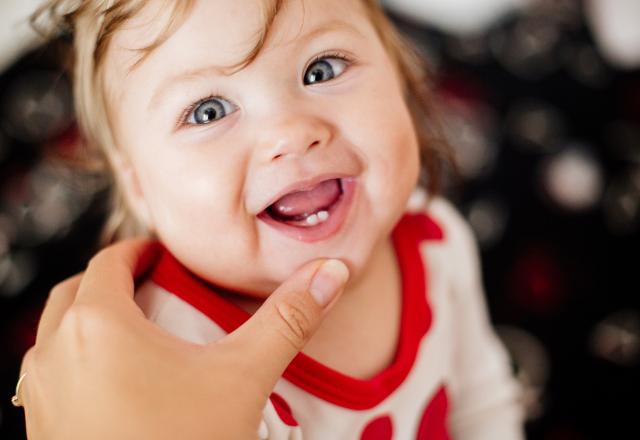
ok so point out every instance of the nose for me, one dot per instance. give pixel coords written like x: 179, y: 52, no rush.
x: 293, y: 135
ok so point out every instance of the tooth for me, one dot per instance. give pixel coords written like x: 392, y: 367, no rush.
x: 312, y: 219
x: 322, y: 215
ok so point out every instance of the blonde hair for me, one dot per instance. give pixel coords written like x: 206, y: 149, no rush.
x: 92, y: 24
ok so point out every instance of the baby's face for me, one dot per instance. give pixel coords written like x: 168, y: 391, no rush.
x: 299, y: 155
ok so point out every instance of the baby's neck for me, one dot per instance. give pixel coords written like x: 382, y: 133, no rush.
x: 360, y: 334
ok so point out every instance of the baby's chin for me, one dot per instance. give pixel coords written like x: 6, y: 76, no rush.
x: 277, y: 272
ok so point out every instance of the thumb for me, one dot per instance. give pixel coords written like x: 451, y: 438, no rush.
x: 277, y: 332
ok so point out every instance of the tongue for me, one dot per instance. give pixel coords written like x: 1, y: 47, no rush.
x: 307, y: 202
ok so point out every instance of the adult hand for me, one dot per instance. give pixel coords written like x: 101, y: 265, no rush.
x: 100, y: 369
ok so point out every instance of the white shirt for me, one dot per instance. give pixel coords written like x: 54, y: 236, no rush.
x: 450, y: 378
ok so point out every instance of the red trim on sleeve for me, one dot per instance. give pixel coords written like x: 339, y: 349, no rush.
x: 305, y: 372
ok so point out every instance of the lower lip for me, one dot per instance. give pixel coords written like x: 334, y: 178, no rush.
x: 337, y: 215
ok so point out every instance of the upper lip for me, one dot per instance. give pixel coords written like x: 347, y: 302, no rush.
x: 301, y: 185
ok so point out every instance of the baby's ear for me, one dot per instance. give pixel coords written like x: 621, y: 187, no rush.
x: 129, y: 184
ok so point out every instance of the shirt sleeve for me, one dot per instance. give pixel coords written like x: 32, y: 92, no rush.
x: 485, y: 397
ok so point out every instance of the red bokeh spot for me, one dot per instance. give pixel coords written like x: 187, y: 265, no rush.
x: 379, y: 428
x: 69, y: 143
x: 538, y: 282
x: 464, y: 89
x: 564, y: 433
x: 22, y: 331
x: 433, y: 425
x: 283, y: 409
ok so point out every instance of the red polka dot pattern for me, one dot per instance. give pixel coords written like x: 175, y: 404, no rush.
x: 433, y: 425
x: 379, y: 428
x: 283, y: 409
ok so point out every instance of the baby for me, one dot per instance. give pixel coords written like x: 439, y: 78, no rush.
x: 252, y: 136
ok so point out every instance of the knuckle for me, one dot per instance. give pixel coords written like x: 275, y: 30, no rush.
x: 58, y: 290
x: 63, y: 289
x: 297, y: 326
x: 27, y: 359
x: 97, y: 258
x: 82, y: 322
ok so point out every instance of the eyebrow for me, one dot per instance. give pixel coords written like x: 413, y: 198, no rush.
x: 170, y: 83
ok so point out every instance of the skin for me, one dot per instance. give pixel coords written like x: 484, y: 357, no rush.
x: 189, y: 183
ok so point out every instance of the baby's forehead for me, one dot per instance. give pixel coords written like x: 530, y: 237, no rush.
x: 228, y: 30
x: 219, y: 33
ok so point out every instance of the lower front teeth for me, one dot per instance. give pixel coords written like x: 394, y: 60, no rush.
x: 320, y: 216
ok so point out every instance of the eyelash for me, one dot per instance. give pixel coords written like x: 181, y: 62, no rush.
x: 329, y: 54
x: 182, y: 120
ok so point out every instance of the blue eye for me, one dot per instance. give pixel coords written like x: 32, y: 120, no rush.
x: 324, y: 69
x: 209, y: 111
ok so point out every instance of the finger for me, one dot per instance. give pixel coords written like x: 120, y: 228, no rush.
x: 27, y: 361
x: 113, y: 269
x: 281, y: 327
x: 60, y: 298
x: 31, y: 401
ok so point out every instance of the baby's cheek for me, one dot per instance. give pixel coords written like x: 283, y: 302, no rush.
x: 221, y: 253
x: 398, y: 157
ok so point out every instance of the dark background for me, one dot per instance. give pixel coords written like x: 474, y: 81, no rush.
x: 548, y: 138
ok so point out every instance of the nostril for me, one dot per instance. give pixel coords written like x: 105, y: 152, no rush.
x: 286, y: 152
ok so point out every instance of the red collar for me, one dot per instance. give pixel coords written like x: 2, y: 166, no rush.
x: 305, y: 372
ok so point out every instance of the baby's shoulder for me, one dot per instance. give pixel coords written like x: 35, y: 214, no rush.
x: 454, y: 258
x: 455, y: 254
x: 454, y: 229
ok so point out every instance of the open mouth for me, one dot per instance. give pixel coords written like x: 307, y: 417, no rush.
x: 312, y: 214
